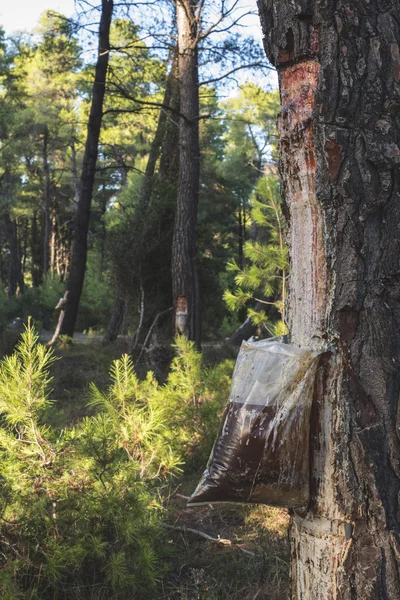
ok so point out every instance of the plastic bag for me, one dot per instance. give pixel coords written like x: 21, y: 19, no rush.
x: 262, y: 451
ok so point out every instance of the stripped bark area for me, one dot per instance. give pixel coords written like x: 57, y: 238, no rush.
x: 298, y: 83
x: 339, y: 73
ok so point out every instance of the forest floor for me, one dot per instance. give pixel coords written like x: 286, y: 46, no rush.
x: 248, y: 557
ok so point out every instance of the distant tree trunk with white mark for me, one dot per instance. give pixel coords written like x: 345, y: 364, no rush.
x: 184, y: 269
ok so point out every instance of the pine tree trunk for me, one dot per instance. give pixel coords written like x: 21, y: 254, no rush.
x: 36, y: 253
x: 184, y: 269
x: 24, y: 253
x: 53, y: 244
x: 15, y: 275
x: 117, y: 320
x: 169, y: 158
x: 81, y: 227
x: 47, y: 203
x: 75, y: 178
x: 156, y: 146
x: 339, y: 74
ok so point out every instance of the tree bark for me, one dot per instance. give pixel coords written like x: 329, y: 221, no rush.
x: 53, y: 244
x: 339, y: 75
x: 156, y: 146
x: 169, y: 158
x: 184, y: 269
x: 15, y: 275
x: 36, y: 252
x: 75, y: 178
x: 47, y: 203
x: 117, y: 320
x: 79, y: 248
x: 24, y: 251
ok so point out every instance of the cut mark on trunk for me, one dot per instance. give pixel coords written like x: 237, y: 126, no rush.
x: 298, y: 83
x: 181, y: 315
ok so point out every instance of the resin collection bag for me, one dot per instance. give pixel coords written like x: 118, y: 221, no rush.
x: 262, y: 451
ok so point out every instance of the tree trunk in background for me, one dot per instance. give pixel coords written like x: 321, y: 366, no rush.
x: 36, y: 251
x: 25, y: 239
x: 156, y: 146
x: 47, y: 203
x: 119, y: 158
x: 53, y: 244
x: 15, y: 275
x: 339, y: 74
x: 79, y: 248
x: 75, y: 177
x: 169, y: 158
x: 116, y: 323
x: 184, y: 270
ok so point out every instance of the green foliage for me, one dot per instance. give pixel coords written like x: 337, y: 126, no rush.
x: 40, y: 303
x: 81, y: 507
x: 264, y: 277
x: 74, y: 506
x: 24, y: 383
x: 138, y: 418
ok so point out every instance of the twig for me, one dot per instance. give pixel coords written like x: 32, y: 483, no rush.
x: 182, y: 496
x: 198, y: 532
x: 219, y: 540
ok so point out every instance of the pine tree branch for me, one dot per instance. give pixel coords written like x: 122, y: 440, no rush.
x: 249, y: 66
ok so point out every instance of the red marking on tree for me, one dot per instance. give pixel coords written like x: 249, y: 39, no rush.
x: 181, y: 315
x: 182, y: 304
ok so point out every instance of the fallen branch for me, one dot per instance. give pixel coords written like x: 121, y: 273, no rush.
x: 182, y: 496
x: 219, y: 540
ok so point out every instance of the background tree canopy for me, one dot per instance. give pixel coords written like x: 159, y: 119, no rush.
x: 46, y: 95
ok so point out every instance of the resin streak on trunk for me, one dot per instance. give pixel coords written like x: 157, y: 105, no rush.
x: 298, y: 83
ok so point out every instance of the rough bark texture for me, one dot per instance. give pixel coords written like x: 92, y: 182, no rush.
x: 184, y: 270
x: 79, y: 248
x: 339, y: 73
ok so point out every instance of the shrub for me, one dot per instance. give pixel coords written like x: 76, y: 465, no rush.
x: 77, y: 513
x: 81, y: 508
